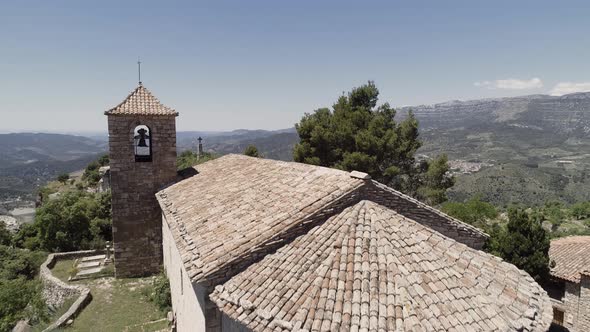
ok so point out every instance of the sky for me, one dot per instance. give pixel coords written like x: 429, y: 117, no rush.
x: 227, y: 65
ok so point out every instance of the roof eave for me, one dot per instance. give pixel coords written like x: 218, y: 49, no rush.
x: 110, y: 113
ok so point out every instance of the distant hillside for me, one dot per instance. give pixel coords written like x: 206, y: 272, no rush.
x: 527, y: 149
x: 277, y: 144
x: 538, y: 146
x: 29, y: 160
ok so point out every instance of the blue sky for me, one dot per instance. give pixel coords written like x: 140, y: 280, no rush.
x: 262, y: 64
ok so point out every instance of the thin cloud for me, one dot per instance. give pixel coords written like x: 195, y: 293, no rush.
x: 563, y: 88
x: 511, y: 84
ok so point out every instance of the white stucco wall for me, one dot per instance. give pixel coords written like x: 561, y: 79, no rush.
x: 188, y: 301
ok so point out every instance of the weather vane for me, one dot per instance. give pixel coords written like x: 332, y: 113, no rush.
x: 139, y: 70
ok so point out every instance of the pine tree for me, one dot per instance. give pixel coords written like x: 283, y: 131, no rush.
x: 357, y: 134
x: 524, y: 243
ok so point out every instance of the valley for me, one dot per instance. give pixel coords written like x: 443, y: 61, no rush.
x: 528, y: 150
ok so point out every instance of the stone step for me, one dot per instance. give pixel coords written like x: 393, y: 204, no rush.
x: 89, y: 264
x: 93, y: 258
x: 86, y: 272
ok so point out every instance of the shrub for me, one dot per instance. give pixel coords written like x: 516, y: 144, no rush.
x: 475, y: 211
x: 252, y: 151
x: 160, y: 293
x: 63, y: 178
x: 20, y: 292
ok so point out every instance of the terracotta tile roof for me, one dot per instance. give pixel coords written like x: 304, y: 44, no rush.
x: 571, y: 255
x: 371, y: 269
x: 236, y: 204
x: 141, y: 102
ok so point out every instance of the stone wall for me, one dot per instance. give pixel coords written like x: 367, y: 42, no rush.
x: 55, y: 291
x: 569, y: 305
x: 584, y: 304
x: 425, y: 215
x: 575, y: 305
x: 137, y: 224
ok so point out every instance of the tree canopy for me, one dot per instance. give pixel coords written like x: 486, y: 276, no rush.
x: 523, y: 242
x: 73, y: 221
x: 20, y: 292
x: 252, y: 151
x: 475, y: 211
x: 188, y: 159
x: 357, y: 134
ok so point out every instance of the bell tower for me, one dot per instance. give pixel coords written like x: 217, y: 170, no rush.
x: 142, y: 153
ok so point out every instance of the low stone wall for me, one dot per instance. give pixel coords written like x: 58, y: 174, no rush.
x: 55, y: 291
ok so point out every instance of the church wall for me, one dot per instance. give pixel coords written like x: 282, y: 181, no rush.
x: 137, y: 234
x: 584, y: 314
x: 188, y: 300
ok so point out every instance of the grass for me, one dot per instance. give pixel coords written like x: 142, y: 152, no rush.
x: 62, y: 269
x: 119, y: 305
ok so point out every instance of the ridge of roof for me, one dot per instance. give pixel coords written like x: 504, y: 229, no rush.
x: 244, y: 204
x: 237, y: 205
x: 571, y: 258
x: 430, y: 209
x: 370, y: 268
x: 141, y: 102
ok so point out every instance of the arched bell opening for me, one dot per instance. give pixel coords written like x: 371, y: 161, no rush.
x: 142, y: 143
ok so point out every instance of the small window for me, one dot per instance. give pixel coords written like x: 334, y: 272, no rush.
x: 558, y: 316
x: 142, y: 141
x: 555, y: 289
x: 181, y: 283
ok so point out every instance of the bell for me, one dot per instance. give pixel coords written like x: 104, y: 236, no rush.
x: 142, y: 137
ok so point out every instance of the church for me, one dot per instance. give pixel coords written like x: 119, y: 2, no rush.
x: 252, y: 244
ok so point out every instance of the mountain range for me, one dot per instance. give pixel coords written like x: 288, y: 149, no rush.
x: 527, y: 149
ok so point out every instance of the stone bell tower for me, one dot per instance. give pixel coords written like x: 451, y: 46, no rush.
x: 142, y: 153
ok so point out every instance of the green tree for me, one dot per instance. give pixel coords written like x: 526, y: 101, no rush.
x: 252, y: 151
x: 103, y: 160
x: 63, y: 178
x: 475, y: 211
x: 357, y: 134
x: 91, y: 174
x: 523, y: 242
x: 188, y: 159
x: 580, y: 210
x: 75, y: 220
x: 5, y: 236
x: 553, y: 212
x: 20, y: 292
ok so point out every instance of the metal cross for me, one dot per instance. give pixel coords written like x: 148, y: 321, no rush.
x: 139, y: 70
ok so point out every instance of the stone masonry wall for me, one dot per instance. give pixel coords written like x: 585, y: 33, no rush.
x: 584, y: 304
x: 55, y: 291
x: 424, y: 214
x: 137, y: 232
x: 569, y: 305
